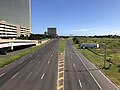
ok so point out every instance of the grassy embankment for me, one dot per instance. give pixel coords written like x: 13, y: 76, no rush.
x: 7, y: 59
x: 97, y: 55
x: 62, y: 45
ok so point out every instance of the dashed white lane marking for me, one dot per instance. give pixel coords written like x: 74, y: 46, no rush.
x: 71, y: 57
x: 48, y: 61
x: 88, y: 70
x: 43, y: 76
x: 53, y: 51
x: 30, y: 62
x: 29, y: 75
x: 73, y: 64
x: 2, y: 74
x: 80, y: 83
x: 15, y: 75
x: 51, y: 55
x: 39, y: 62
x: 20, y: 62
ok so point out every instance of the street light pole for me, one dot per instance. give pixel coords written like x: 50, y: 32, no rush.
x: 104, y: 56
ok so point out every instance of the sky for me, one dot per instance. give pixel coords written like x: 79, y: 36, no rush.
x: 15, y: 11
x: 77, y: 17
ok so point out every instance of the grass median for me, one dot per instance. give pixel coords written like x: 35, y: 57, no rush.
x: 62, y: 45
x: 12, y: 56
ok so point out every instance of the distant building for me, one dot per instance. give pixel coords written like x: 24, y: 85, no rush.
x: 11, y: 30
x: 89, y: 45
x: 52, y: 31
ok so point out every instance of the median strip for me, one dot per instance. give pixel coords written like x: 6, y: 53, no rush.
x: 60, y: 76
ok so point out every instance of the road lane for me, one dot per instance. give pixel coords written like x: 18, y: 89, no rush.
x: 76, y: 71
x: 34, y: 72
x: 85, y: 73
x: 99, y: 77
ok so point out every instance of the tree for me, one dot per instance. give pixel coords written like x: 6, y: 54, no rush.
x: 76, y: 41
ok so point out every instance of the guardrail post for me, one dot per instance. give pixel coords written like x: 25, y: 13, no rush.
x: 11, y: 45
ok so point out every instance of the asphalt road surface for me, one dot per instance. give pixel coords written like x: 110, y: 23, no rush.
x: 36, y: 71
x: 80, y: 74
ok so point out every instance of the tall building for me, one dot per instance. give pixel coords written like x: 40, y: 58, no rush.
x: 52, y: 31
x: 17, y: 12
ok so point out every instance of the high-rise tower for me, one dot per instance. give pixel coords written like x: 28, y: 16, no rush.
x: 17, y: 12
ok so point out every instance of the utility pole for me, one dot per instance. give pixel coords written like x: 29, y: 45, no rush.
x: 105, y: 56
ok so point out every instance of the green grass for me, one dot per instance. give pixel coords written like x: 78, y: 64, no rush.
x: 62, y: 45
x: 96, y: 56
x: 7, y: 59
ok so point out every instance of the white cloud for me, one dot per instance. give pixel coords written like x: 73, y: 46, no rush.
x: 97, y: 31
x: 82, y: 30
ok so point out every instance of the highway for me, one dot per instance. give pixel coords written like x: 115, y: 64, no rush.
x: 81, y: 74
x: 39, y: 71
x: 36, y: 71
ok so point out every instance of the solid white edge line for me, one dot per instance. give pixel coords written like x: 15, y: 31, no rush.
x: 2, y: 74
x: 43, y: 76
x: 15, y: 75
x: 29, y: 75
x: 95, y: 80
x: 101, y: 73
x: 80, y: 83
x: 88, y: 71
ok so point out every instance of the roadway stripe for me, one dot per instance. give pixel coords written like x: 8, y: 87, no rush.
x: 95, y: 80
x: 88, y: 70
x: 29, y: 75
x: 48, y: 61
x: 73, y: 64
x: 71, y: 57
x: 2, y: 74
x: 103, y: 75
x: 20, y: 62
x: 15, y: 75
x: 43, y: 76
x: 80, y: 83
x: 60, y: 76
